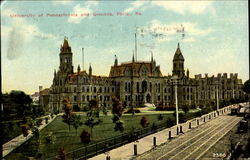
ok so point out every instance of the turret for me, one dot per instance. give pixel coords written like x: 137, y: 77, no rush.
x: 66, y: 58
x: 133, y: 58
x: 178, y: 63
x: 187, y: 73
x: 116, y: 61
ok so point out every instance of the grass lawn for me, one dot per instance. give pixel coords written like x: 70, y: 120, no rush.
x: 70, y: 140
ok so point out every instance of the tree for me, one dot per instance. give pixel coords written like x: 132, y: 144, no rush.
x: 144, y: 122
x: 117, y: 107
x: 85, y: 136
x: 92, y: 114
x: 17, y: 105
x: 67, y: 117
x: 76, y: 121
x: 117, y: 111
x: 185, y: 109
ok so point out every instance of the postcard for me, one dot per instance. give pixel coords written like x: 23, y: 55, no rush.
x: 151, y: 80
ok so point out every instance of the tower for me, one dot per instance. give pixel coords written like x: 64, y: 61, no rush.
x: 178, y: 63
x: 66, y: 66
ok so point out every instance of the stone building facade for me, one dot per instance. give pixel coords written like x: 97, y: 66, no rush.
x: 137, y: 83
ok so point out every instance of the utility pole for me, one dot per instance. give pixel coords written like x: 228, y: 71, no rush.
x: 175, y: 81
x: 82, y: 58
x: 217, y: 96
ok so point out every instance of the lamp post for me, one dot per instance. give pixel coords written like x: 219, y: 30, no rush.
x: 175, y: 80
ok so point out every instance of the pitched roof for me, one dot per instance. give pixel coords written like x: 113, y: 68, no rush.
x: 178, y: 55
x: 120, y: 69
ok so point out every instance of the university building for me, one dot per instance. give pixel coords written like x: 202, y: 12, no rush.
x: 137, y: 83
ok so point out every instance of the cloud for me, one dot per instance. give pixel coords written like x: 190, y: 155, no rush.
x: 135, y: 5
x: 166, y: 32
x: 18, y: 32
x: 62, y: 2
x: 82, y: 10
x: 180, y: 7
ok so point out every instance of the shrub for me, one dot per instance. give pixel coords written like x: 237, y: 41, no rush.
x: 119, y: 126
x: 46, y: 120
x: 131, y: 110
x: 85, y: 136
x: 61, y: 154
x: 144, y: 122
x: 160, y: 117
x: 185, y: 108
x: 193, y: 106
x: 165, y: 108
x: 52, y: 115
x: 76, y: 108
x: 169, y: 122
x: 154, y: 127
x: 25, y: 130
x: 49, y: 138
x: 115, y: 118
x: 39, y: 122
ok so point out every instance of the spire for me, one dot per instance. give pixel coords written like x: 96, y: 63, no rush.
x: 188, y: 73
x: 152, y: 59
x: 55, y: 72
x: 133, y: 58
x: 65, y: 48
x: 78, y: 69
x: 116, y: 61
x: 65, y: 43
x: 178, y: 55
x: 90, y: 70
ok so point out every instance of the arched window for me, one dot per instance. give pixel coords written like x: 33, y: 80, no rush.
x: 144, y: 86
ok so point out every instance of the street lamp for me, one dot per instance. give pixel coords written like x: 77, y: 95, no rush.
x: 175, y: 81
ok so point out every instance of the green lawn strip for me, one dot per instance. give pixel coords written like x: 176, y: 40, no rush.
x: 71, y: 141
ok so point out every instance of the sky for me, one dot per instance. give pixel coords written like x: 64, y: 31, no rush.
x: 213, y: 37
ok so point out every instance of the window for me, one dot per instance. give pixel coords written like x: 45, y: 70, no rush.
x: 137, y: 87
x: 83, y: 89
x: 74, y: 98
x: 83, y: 98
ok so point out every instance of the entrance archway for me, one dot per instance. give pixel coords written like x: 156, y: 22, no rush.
x: 148, y: 98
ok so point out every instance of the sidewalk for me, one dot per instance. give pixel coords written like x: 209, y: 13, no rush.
x: 19, y: 140
x: 145, y: 144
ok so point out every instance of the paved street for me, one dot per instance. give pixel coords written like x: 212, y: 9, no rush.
x: 202, y: 135
x: 195, y: 143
